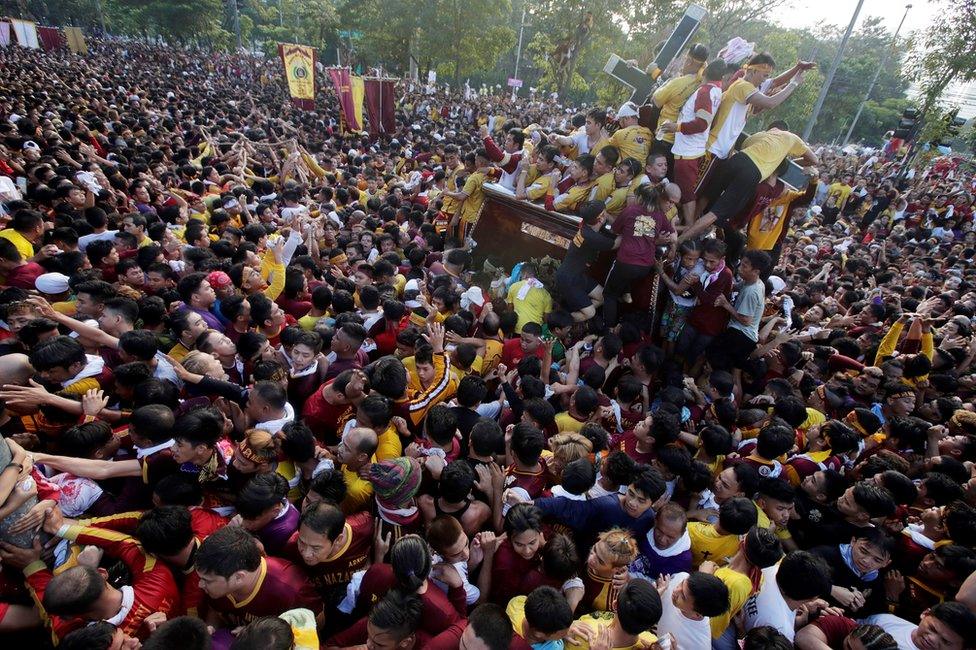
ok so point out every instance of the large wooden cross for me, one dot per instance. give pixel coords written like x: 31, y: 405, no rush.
x: 641, y: 82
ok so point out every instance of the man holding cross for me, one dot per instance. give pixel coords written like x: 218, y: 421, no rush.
x: 670, y: 97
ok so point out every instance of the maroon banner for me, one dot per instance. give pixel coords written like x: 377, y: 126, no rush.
x: 343, y: 87
x: 51, y: 38
x: 381, y: 105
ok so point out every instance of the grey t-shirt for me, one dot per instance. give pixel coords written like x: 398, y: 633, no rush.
x: 750, y: 302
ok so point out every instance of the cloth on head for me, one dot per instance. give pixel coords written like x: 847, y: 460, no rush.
x: 627, y: 109
x: 219, y: 279
x: 52, y: 283
x: 396, y: 481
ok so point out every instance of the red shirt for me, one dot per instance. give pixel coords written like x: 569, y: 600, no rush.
x: 640, y: 232
x: 331, y: 577
x: 23, y: 276
x: 627, y: 443
x: 705, y: 317
x: 281, y: 586
x: 440, y: 618
x: 322, y: 417
x: 512, y: 352
x: 154, y: 588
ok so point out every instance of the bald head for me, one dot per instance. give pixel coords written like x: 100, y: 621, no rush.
x: 16, y: 369
x: 673, y: 192
x: 362, y: 440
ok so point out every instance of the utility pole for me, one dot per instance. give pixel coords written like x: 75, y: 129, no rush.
x: 237, y: 23
x: 830, y: 75
x: 518, y: 52
x: 884, y: 62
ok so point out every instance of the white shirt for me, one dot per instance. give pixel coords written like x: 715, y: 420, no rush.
x: 687, y: 632
x: 900, y: 629
x: 768, y: 607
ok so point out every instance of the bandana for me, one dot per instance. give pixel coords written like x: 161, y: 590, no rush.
x: 295, y: 374
x: 338, y: 259
x: 761, y: 67
x: 900, y: 394
x: 249, y: 453
x: 708, y: 278
x: 847, y: 555
x: 274, y: 426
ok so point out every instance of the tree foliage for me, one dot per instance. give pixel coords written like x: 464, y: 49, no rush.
x: 566, y: 44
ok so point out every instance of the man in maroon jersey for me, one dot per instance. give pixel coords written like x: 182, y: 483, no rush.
x: 241, y: 585
x: 324, y: 409
x: 331, y: 547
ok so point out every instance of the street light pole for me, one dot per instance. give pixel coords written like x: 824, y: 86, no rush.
x: 830, y: 75
x: 884, y: 62
x: 518, y: 52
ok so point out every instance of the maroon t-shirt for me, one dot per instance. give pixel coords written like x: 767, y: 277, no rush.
x: 705, y: 317
x: 640, y: 232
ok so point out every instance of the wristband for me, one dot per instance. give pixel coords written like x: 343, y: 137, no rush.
x: 19, y: 466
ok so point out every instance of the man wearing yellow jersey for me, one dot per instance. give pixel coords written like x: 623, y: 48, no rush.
x: 452, y: 167
x: 670, y: 97
x: 471, y: 195
x: 590, y: 139
x: 837, y: 194
x: 623, y: 177
x: 543, y: 188
x: 736, y: 181
x: 631, y: 139
x: 743, y: 93
x: 604, y: 167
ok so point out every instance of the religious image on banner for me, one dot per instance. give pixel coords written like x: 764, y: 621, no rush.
x: 76, y: 40
x: 299, y: 62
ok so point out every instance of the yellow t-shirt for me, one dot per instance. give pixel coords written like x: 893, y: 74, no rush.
x: 179, y: 352
x: 540, y: 187
x: 617, y: 200
x: 730, y: 118
x: 566, y: 422
x: 764, y: 229
x: 603, y: 187
x: 768, y: 149
x: 573, y: 197
x: 837, y: 193
x: 740, y: 588
x: 308, y: 322
x: 389, y: 445
x: 493, y: 355
x: 707, y: 544
x: 596, y: 619
x: 358, y: 491
x: 633, y: 141
x: 672, y: 96
x: 531, y: 309
x: 472, y: 205
x: 516, y: 613
x: 24, y: 247
x: 449, y: 205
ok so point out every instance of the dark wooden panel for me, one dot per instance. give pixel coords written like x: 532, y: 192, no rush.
x: 513, y: 231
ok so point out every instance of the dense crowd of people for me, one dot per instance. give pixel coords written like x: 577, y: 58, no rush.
x: 256, y: 393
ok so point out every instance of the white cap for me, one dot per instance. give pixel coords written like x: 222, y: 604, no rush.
x: 777, y: 283
x: 52, y: 283
x: 627, y: 109
x: 816, y: 209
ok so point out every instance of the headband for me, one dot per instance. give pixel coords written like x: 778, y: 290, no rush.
x: 900, y: 394
x: 852, y: 419
x: 338, y: 259
x: 761, y: 67
x: 249, y: 453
